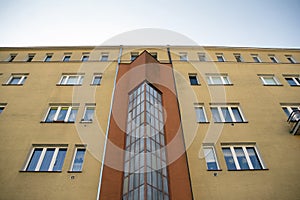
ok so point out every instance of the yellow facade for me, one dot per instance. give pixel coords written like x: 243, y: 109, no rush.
x: 264, y: 124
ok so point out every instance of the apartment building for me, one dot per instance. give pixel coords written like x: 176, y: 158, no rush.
x: 149, y: 122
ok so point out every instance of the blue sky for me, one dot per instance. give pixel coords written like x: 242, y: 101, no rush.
x: 258, y: 23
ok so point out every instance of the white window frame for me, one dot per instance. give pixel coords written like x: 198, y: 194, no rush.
x: 42, y: 156
x: 209, y: 146
x: 202, y: 55
x: 240, y: 57
x: 85, y: 109
x: 199, y: 106
x: 183, y: 56
x: 291, y: 59
x: 67, y: 76
x: 94, y: 76
x: 58, y: 111
x: 229, y: 107
x: 294, y: 79
x: 48, y: 55
x: 74, y: 156
x: 273, y: 57
x: 236, y: 162
x: 263, y: 77
x: 210, y: 81
x: 20, y: 82
x: 221, y: 56
x: 11, y: 57
x: 104, y: 57
x: 257, y: 57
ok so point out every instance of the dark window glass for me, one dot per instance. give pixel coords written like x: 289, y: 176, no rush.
x: 193, y: 80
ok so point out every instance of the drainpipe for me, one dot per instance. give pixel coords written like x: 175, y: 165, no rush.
x: 108, y: 122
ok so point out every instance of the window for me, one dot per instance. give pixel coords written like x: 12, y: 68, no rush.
x: 238, y: 58
x: 88, y: 113
x: 11, y: 57
x: 71, y: 80
x: 227, y: 114
x: 290, y: 59
x: 269, y: 80
x: 210, y: 157
x: 46, y: 159
x: 66, y: 58
x: 97, y: 79
x: 273, y: 58
x: 134, y: 55
x: 17, y: 79
x: 200, y: 114
x: 2, y: 106
x: 289, y: 109
x: 30, y: 57
x: 61, y: 114
x: 256, y: 58
x: 193, y: 79
x: 216, y: 79
x: 153, y: 54
x: 220, y: 57
x: 77, y: 162
x: 293, y: 80
x: 202, y: 57
x: 242, y: 157
x: 104, y: 57
x: 85, y: 57
x: 183, y: 56
x: 48, y: 58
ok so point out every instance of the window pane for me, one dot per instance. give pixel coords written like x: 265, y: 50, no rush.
x: 1, y: 109
x: 237, y: 114
x: 72, y: 80
x: 210, y: 159
x: 229, y: 159
x: 226, y: 114
x: 226, y: 80
x: 67, y: 58
x: 23, y: 80
x: 51, y: 115
x: 286, y: 111
x: 291, y: 81
x: 97, y: 80
x: 59, y: 160
x: 216, y: 115
x: 216, y: 80
x: 89, y: 113
x: 193, y: 80
x: 220, y: 58
x: 34, y: 159
x: 200, y: 114
x: 78, y: 160
x: 47, y: 159
x: 256, y: 59
x: 269, y: 81
x: 15, y: 80
x: 241, y: 158
x: 73, y: 114
x: 62, y: 114
x: 254, y: 158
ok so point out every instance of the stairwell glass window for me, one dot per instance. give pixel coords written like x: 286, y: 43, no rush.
x: 215, y: 79
x: 200, y: 114
x: 220, y: 58
x: 61, y: 114
x: 293, y: 80
x: 78, y: 159
x: 269, y: 80
x: 224, y: 113
x: 290, y: 59
x: 210, y: 157
x: 242, y: 157
x: 17, y: 79
x: 88, y: 115
x: 193, y: 79
x: 71, y: 79
x: 48, y: 58
x: 183, y: 56
x: 46, y: 159
x: 255, y: 58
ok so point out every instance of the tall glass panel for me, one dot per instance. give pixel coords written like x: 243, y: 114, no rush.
x: 229, y: 158
x: 60, y: 160
x: 145, y: 174
x: 47, y: 159
x: 34, y: 159
x: 240, y: 155
x: 254, y: 158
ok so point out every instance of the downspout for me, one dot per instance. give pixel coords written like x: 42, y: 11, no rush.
x: 187, y: 163
x: 108, y: 122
